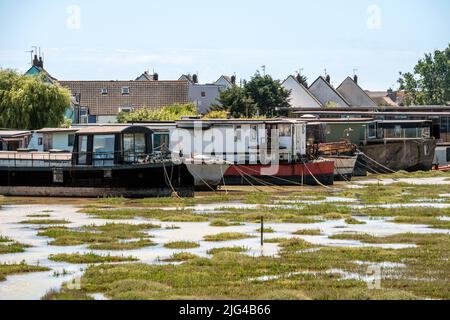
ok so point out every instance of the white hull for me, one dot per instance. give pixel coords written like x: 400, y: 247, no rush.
x: 207, y: 175
x: 343, y: 166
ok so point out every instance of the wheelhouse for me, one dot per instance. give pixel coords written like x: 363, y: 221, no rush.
x: 104, y: 146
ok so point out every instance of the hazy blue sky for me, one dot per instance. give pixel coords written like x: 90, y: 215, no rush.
x: 120, y: 39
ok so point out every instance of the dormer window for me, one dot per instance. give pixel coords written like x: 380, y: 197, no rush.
x: 125, y: 90
x: 104, y: 91
x: 125, y: 109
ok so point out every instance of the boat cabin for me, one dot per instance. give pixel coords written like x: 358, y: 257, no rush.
x: 12, y: 140
x: 53, y: 140
x: 404, y: 129
x: 240, y: 141
x: 104, y: 146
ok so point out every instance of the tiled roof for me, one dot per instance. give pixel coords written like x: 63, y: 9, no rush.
x: 142, y: 94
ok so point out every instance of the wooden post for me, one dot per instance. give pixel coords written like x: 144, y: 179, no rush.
x: 262, y: 231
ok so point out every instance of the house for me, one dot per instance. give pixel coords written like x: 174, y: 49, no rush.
x: 147, y: 77
x: 47, y: 139
x: 300, y: 96
x: 11, y: 140
x: 102, y: 101
x: 354, y: 94
x: 326, y: 94
x: 382, y: 98
x: 37, y: 68
x: 205, y: 95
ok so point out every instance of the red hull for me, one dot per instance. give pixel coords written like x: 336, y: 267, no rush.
x: 287, y: 174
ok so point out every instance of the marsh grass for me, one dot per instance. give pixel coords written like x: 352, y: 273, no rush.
x: 300, y: 274
x: 223, y: 223
x: 65, y: 294
x: 181, y: 245
x: 180, y: 257
x: 122, y: 246
x: 227, y: 236
x: 266, y: 230
x: 227, y: 249
x: 105, y: 236
x: 354, y: 221
x: 8, y: 245
x: 179, y: 215
x: 430, y: 221
x: 45, y: 221
x: 77, y: 258
x: 8, y: 269
x: 308, y: 232
x: 38, y: 215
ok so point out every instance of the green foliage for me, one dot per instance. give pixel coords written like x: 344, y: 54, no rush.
x: 331, y: 104
x: 30, y: 102
x: 429, y: 84
x: 216, y: 114
x: 168, y: 113
x: 262, y: 96
x: 236, y: 102
x: 302, y: 79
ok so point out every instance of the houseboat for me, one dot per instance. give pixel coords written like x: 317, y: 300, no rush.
x: 12, y: 140
x: 382, y: 146
x: 250, y: 151
x: 342, y: 153
x: 105, y: 161
x: 400, y: 145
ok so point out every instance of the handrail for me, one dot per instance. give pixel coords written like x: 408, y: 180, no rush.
x: 53, y: 160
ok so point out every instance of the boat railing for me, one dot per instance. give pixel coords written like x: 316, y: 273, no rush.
x: 61, y: 160
x: 405, y: 134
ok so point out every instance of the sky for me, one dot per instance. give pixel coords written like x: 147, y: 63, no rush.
x: 118, y: 40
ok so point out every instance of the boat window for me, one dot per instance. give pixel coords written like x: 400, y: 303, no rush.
x: 70, y: 140
x: 103, y: 150
x: 160, y: 142
x: 82, y: 150
x: 238, y: 136
x: 254, y: 133
x: 372, y: 131
x: 448, y: 154
x: 285, y: 130
x: 134, y: 147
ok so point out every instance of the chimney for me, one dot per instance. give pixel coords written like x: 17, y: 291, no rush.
x: 41, y: 62
x: 35, y: 61
x: 233, y: 79
x: 355, y: 78
x: 194, y: 78
x: 155, y: 76
x: 328, y: 79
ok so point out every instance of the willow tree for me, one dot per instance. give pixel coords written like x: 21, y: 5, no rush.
x: 29, y: 102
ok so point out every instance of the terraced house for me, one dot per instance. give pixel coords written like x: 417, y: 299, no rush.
x: 102, y: 101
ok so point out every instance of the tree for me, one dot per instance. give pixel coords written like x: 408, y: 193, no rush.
x: 168, y: 113
x: 267, y: 94
x: 302, y: 79
x: 29, y: 102
x: 260, y: 96
x: 430, y: 81
x: 236, y: 102
x: 216, y: 114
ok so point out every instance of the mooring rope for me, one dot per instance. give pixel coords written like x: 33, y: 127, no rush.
x: 382, y: 166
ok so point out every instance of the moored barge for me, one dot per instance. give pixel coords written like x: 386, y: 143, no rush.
x: 106, y: 161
